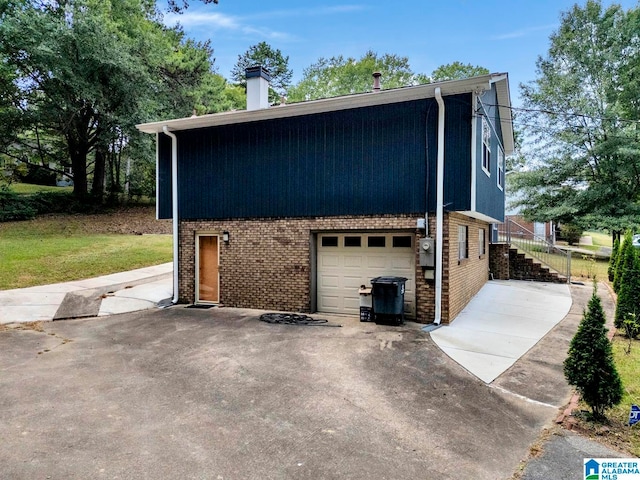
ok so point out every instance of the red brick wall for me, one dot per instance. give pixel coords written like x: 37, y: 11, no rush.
x: 499, y: 261
x: 465, y: 277
x: 267, y: 263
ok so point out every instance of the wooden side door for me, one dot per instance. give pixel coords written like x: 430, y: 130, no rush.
x: 208, y: 276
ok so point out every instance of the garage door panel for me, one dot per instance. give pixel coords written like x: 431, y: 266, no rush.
x: 341, y: 271
x: 331, y: 302
x: 398, y: 263
x: 330, y: 260
x: 377, y: 262
x: 352, y: 304
x: 353, y: 261
x: 352, y: 282
x: 329, y: 281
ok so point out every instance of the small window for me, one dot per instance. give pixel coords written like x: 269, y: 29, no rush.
x: 500, y: 169
x: 329, y: 241
x: 376, y: 242
x: 486, y: 146
x: 402, y: 242
x: 352, y: 241
x: 482, y: 242
x: 463, y: 244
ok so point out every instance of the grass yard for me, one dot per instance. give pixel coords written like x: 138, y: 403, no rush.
x: 62, y: 248
x: 616, y: 432
x: 28, y: 188
x: 600, y: 239
x: 584, y: 267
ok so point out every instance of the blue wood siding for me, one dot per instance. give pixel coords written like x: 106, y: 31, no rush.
x: 364, y: 161
x: 490, y: 198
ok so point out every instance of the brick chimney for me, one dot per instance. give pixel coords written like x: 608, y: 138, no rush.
x: 257, y: 87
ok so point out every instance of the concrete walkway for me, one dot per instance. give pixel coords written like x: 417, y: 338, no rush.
x: 501, y: 323
x: 117, y: 293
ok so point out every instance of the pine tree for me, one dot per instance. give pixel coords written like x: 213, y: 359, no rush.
x: 613, y: 260
x: 629, y: 286
x: 589, y: 365
x: 626, y: 248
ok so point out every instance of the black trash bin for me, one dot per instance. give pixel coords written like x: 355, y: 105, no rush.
x: 388, y: 299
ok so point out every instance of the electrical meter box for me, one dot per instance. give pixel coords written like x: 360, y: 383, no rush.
x: 427, y: 252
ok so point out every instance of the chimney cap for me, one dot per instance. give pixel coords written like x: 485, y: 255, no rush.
x: 257, y: 71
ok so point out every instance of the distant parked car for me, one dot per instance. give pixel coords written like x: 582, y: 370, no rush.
x: 635, y: 240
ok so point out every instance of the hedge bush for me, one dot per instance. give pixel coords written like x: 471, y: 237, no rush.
x: 15, y: 207
x: 25, y: 207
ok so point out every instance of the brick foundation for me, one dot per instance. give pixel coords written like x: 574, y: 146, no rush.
x: 465, y: 277
x: 267, y: 263
x: 499, y: 261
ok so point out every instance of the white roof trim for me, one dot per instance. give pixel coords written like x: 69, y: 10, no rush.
x: 384, y: 97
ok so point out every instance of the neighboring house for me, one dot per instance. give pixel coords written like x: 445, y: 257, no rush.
x: 524, y: 228
x: 521, y: 228
x: 293, y: 207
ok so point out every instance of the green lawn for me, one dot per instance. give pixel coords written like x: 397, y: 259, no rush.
x: 50, y: 251
x: 583, y: 267
x: 27, y: 188
x: 600, y: 239
x: 617, y: 432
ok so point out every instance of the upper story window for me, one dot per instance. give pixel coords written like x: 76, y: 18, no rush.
x: 486, y: 146
x: 500, y: 168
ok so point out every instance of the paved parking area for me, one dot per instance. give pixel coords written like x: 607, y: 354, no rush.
x: 217, y: 394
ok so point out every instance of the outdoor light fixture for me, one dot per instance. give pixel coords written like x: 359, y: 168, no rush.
x: 225, y: 236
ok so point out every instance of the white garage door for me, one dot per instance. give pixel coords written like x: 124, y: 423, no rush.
x: 348, y: 260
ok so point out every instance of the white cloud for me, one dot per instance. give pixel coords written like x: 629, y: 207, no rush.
x: 524, y: 32
x: 247, y: 25
x: 219, y: 21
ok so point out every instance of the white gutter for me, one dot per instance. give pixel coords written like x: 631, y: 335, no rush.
x: 439, y: 207
x: 174, y: 204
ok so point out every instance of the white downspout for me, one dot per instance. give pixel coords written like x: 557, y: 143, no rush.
x: 174, y: 211
x: 439, y: 207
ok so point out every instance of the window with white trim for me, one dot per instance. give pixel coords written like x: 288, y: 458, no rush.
x: 463, y: 242
x: 482, y: 242
x: 500, y: 169
x: 486, y: 146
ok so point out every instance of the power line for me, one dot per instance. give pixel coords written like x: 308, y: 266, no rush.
x: 566, y: 114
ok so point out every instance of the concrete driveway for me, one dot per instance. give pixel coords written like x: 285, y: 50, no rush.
x: 217, y: 394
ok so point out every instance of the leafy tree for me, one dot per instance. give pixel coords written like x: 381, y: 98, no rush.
x: 457, y: 71
x: 273, y: 60
x: 215, y: 95
x: 589, y: 365
x: 178, y: 6
x: 87, y: 71
x: 335, y: 76
x: 611, y: 270
x: 627, y: 282
x: 582, y: 118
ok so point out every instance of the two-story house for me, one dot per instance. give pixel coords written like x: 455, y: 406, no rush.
x: 293, y: 207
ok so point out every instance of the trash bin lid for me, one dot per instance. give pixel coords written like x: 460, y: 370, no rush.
x: 389, y: 280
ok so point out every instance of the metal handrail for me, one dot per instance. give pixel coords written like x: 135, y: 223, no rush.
x: 536, y: 246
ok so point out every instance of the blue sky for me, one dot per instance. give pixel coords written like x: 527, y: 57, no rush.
x: 501, y: 35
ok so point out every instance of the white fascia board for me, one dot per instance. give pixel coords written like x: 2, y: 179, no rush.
x: 480, y: 216
x: 384, y: 97
x: 501, y: 82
